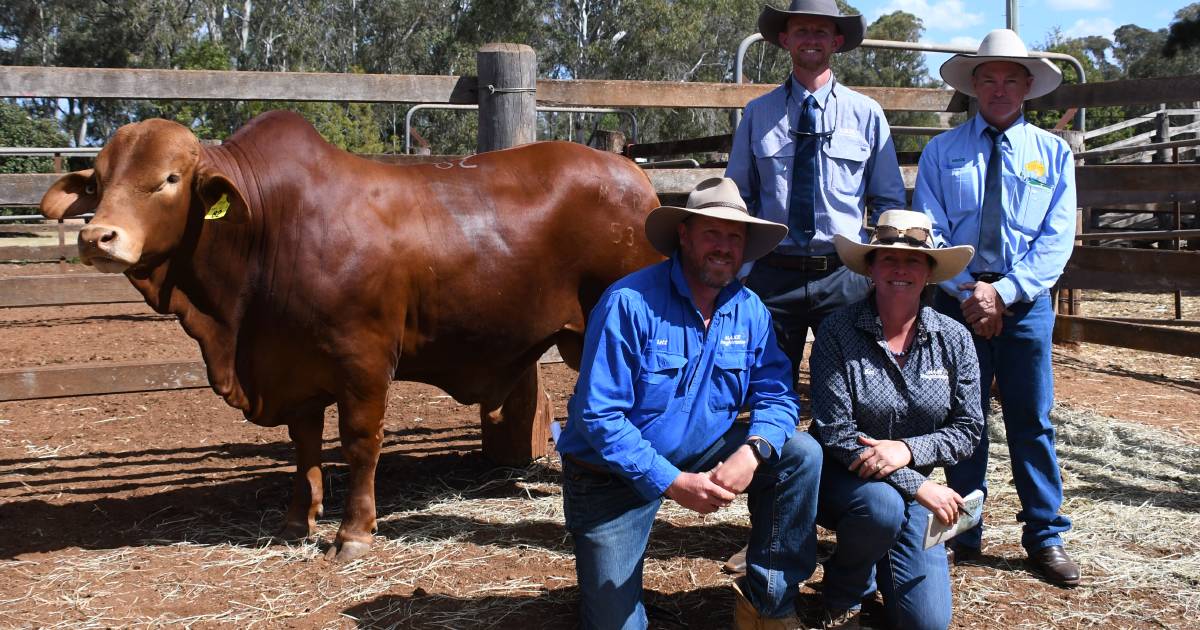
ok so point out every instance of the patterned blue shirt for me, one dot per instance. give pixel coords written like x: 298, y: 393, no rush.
x: 1039, y: 203
x: 856, y: 165
x: 656, y: 389
x: 931, y: 404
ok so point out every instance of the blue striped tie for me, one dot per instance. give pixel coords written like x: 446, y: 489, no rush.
x: 993, y: 197
x: 802, y: 202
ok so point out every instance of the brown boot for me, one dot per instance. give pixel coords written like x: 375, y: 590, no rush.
x: 841, y: 619
x: 747, y: 617
x: 736, y: 563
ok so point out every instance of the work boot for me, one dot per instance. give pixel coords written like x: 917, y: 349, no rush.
x: 736, y: 563
x: 841, y: 619
x: 747, y: 617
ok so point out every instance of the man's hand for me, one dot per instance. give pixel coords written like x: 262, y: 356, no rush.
x: 942, y: 501
x: 736, y: 473
x: 984, y: 310
x: 697, y: 492
x: 882, y: 458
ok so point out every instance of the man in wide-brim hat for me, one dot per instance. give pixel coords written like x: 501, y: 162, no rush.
x: 671, y: 354
x: 812, y: 154
x: 1007, y: 188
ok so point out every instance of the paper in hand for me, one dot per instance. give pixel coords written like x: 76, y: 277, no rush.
x: 968, y: 516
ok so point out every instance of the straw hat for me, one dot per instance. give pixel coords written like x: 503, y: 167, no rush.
x: 716, y: 197
x: 772, y: 21
x: 905, y: 230
x: 1001, y: 44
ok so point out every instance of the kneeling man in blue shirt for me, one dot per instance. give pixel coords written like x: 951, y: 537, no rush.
x: 671, y: 353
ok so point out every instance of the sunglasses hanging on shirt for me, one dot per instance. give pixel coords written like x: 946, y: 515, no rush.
x: 819, y: 135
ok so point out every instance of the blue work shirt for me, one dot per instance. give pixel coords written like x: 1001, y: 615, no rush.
x: 1038, y: 203
x: 656, y: 389
x: 856, y: 163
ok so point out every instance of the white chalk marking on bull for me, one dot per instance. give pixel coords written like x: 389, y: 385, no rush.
x: 463, y: 162
x: 621, y: 233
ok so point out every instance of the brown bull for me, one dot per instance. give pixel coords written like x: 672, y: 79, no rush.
x: 312, y: 277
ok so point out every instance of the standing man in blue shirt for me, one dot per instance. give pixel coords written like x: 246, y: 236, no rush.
x: 812, y: 154
x: 1008, y: 188
x: 671, y: 353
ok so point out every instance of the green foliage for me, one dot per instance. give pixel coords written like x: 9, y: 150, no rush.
x: 653, y: 40
x: 19, y: 129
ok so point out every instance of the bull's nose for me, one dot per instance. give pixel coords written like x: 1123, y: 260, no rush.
x: 100, y: 237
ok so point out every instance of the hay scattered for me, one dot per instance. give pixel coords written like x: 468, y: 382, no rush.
x: 1132, y: 491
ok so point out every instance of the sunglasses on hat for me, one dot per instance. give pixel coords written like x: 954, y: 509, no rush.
x: 916, y: 236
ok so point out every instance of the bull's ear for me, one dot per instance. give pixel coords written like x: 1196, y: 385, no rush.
x: 221, y: 198
x: 72, y: 195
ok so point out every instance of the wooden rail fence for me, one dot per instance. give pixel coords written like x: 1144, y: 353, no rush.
x: 1119, y: 270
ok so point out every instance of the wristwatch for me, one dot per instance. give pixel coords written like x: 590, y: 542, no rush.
x: 761, y: 448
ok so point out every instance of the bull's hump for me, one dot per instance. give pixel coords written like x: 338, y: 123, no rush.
x: 278, y: 126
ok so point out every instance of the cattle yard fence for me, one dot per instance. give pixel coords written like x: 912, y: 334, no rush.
x: 507, y: 95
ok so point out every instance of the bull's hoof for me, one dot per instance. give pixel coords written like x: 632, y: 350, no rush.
x: 347, y: 550
x: 295, y: 532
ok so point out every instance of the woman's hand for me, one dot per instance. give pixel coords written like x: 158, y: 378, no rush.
x: 882, y: 458
x: 942, y: 501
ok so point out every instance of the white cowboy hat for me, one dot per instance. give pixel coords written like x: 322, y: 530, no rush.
x: 716, y: 197
x: 772, y: 21
x: 904, y: 230
x: 1001, y: 44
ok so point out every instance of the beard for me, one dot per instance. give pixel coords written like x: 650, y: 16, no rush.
x: 714, y: 276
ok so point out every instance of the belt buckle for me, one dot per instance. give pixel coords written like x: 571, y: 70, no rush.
x: 824, y: 263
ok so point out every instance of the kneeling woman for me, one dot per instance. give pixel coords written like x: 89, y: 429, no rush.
x: 895, y: 392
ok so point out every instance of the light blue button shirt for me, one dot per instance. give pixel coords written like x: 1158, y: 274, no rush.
x: 656, y: 388
x: 1039, y: 203
x: 856, y: 164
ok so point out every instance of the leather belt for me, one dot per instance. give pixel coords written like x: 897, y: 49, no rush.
x: 802, y: 263
x: 592, y: 468
x: 990, y: 277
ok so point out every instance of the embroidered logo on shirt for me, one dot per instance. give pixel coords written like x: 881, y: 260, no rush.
x: 870, y: 372
x: 660, y: 342
x: 733, y: 340
x: 958, y: 161
x: 1035, y: 173
x: 937, y: 375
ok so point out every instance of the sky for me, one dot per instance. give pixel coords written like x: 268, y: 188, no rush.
x: 965, y: 22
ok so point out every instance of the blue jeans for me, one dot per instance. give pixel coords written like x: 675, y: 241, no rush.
x: 880, y: 541
x: 1019, y: 359
x: 610, y: 525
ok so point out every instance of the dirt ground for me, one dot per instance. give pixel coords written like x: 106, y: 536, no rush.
x: 149, y: 510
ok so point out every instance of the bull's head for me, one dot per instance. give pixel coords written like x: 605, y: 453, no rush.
x: 149, y: 182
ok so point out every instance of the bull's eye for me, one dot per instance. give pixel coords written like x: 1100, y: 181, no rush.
x: 90, y: 188
x: 173, y: 178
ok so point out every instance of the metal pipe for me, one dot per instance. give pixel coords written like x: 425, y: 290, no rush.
x: 1080, y: 117
x: 633, y: 122
x: 1013, y: 16
x: 78, y: 151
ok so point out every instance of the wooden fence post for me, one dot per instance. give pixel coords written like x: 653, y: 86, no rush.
x: 507, y: 96
x: 1070, y: 301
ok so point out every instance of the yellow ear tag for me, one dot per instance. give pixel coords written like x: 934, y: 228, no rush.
x: 218, y: 209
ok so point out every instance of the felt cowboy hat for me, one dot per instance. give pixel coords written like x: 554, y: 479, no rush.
x: 1001, y: 44
x: 772, y: 21
x: 904, y: 230
x: 716, y: 197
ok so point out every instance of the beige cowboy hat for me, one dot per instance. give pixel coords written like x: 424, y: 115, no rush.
x: 772, y: 21
x: 908, y: 231
x: 716, y: 197
x: 1001, y: 44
